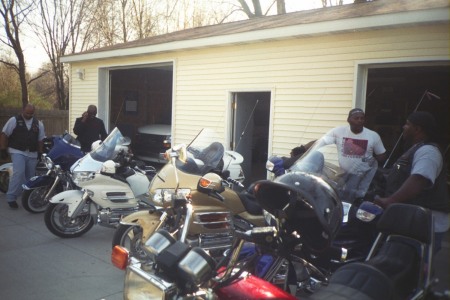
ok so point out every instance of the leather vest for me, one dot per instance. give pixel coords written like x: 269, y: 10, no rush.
x: 22, y: 138
x: 436, y: 198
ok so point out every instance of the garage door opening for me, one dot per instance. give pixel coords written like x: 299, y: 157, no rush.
x: 393, y: 93
x: 141, y: 104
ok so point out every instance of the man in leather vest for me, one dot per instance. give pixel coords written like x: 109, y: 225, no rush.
x: 419, y: 175
x: 23, y: 137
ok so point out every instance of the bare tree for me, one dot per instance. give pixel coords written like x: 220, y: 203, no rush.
x: 13, y: 15
x: 257, y: 9
x: 59, y: 32
x: 326, y: 3
x: 144, y: 21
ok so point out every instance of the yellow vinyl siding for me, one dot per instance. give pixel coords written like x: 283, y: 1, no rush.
x: 312, y: 78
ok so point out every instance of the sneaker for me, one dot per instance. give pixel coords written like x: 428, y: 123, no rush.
x: 13, y: 204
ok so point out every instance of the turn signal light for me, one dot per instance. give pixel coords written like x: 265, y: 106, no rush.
x: 203, y: 182
x: 119, y: 257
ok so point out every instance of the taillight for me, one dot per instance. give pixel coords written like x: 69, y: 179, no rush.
x: 119, y: 257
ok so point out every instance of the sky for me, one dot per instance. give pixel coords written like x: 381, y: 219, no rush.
x: 35, y: 55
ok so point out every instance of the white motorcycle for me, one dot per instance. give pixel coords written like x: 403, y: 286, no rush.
x: 103, y: 197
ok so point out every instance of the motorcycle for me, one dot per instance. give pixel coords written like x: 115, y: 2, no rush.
x: 211, y: 216
x: 102, y: 195
x: 397, y: 267
x: 352, y: 187
x: 39, y: 189
x: 6, y: 169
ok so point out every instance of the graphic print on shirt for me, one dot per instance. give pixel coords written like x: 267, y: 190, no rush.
x: 354, y: 147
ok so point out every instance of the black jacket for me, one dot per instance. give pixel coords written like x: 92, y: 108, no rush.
x: 89, y: 131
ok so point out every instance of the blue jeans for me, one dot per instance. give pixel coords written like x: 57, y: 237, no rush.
x: 24, y: 168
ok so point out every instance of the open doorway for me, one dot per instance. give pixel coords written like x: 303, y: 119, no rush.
x: 395, y: 92
x: 141, y: 107
x: 250, y: 132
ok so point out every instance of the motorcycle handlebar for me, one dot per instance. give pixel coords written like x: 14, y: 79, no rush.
x: 233, y: 181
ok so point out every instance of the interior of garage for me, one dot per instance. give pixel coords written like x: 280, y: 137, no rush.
x: 140, y: 96
x: 394, y: 93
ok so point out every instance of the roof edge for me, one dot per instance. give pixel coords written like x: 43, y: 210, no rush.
x: 311, y: 29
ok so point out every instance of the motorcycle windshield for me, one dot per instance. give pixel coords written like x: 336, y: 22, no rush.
x: 110, y: 147
x: 69, y: 139
x: 204, y: 154
x: 349, y: 175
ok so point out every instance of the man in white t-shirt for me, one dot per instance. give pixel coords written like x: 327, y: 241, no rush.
x: 356, y: 144
x: 358, y: 148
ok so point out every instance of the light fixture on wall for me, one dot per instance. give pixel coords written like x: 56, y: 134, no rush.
x: 80, y: 73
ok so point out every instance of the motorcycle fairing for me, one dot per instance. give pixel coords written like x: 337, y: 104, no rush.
x: 38, y: 181
x: 65, y: 151
x: 146, y: 220
x: 72, y: 198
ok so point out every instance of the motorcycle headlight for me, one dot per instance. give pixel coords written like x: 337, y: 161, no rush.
x: 196, y: 267
x: 82, y: 176
x: 157, y: 242
x: 165, y: 196
x: 49, y: 163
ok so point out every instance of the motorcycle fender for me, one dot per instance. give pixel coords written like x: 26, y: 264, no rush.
x: 252, y: 287
x: 6, y: 167
x: 38, y: 181
x: 72, y: 198
x: 148, y: 221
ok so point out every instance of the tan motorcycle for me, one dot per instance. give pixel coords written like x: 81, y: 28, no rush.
x: 210, y: 216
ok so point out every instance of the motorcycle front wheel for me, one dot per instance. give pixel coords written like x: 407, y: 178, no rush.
x: 34, y: 200
x: 130, y: 237
x: 58, y: 222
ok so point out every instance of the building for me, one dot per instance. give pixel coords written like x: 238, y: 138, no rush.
x: 272, y: 83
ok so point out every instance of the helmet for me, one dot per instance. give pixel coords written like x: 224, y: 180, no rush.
x: 306, y: 204
x: 109, y: 167
x: 95, y: 144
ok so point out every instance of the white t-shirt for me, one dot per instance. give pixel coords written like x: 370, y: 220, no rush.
x: 355, y: 150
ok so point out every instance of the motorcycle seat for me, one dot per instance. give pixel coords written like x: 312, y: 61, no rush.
x: 250, y: 204
x: 398, y: 259
x: 402, y: 247
x: 356, y: 281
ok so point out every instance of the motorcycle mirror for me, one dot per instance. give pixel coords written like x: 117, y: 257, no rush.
x: 368, y: 211
x: 210, y: 183
x: 183, y: 154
